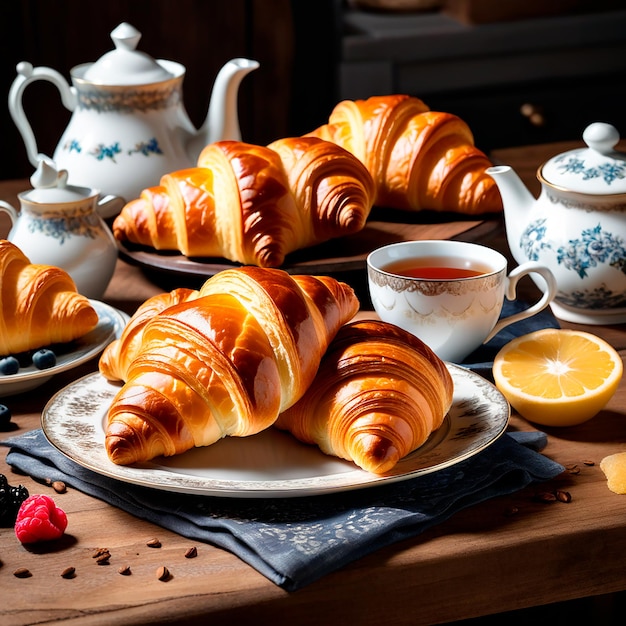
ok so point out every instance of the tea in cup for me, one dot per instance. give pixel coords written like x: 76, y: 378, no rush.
x: 449, y: 293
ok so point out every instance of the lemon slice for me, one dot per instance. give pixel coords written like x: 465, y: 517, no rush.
x: 557, y: 377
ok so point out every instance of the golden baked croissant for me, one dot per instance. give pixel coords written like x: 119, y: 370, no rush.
x: 378, y: 395
x: 253, y: 204
x: 419, y: 159
x: 118, y: 355
x: 226, y: 363
x: 40, y: 304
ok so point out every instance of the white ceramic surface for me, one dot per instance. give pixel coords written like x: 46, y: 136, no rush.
x: 453, y: 317
x: 61, y: 225
x: 576, y: 227
x: 111, y: 323
x: 271, y: 463
x: 129, y: 125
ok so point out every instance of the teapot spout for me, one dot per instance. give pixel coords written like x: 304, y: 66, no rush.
x: 517, y: 202
x: 515, y: 195
x: 222, y: 120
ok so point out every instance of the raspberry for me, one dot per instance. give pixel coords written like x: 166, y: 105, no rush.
x: 39, y: 519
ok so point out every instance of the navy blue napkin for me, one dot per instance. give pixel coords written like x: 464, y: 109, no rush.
x: 295, y: 541
x: 481, y: 360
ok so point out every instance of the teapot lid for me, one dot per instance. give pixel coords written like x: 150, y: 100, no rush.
x: 125, y: 65
x: 50, y: 186
x: 597, y: 169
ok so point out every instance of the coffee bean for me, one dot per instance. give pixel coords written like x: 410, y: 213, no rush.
x: 163, y: 573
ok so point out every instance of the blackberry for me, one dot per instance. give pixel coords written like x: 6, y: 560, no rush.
x: 11, y: 499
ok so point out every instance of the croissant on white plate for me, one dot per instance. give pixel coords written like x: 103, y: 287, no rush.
x: 225, y: 363
x: 378, y: 395
x: 118, y: 355
x: 253, y: 204
x: 418, y: 158
x: 40, y: 304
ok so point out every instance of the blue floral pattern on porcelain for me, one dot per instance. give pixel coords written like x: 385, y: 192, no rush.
x: 102, y: 152
x: 609, y: 171
x: 63, y: 226
x: 593, y: 248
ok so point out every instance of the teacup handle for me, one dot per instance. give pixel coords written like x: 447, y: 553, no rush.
x: 512, y: 279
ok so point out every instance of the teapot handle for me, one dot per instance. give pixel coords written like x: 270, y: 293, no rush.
x: 26, y: 75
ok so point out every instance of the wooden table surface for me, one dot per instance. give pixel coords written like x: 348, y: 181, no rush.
x: 482, y: 561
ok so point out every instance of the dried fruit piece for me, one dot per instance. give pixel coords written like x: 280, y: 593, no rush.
x: 39, y: 519
x: 614, y: 468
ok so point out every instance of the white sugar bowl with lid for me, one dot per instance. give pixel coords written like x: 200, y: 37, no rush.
x: 129, y: 125
x: 576, y: 227
x: 62, y: 225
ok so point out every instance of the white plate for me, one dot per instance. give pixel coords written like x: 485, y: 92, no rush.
x: 272, y: 463
x: 111, y: 322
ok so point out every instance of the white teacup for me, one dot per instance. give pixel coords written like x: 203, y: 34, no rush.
x: 449, y: 293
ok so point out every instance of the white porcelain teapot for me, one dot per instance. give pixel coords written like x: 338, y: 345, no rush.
x: 129, y: 125
x: 576, y: 227
x: 62, y: 225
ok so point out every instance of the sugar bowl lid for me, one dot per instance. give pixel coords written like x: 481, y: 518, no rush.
x: 598, y: 169
x: 125, y: 65
x: 50, y: 186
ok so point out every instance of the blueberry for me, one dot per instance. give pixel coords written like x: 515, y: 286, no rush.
x: 5, y: 413
x: 44, y: 359
x: 6, y: 424
x: 9, y: 365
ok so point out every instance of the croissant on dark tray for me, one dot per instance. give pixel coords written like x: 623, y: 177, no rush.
x: 253, y: 204
x: 418, y: 158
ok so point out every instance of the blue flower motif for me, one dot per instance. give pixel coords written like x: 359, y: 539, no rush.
x: 532, y: 241
x: 609, y: 171
x: 147, y: 147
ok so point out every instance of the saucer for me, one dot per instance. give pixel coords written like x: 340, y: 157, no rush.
x: 605, y: 317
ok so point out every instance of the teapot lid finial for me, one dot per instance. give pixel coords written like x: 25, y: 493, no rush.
x: 125, y: 36
x: 598, y: 169
x: 601, y: 137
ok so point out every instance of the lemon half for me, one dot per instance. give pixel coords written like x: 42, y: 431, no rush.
x: 557, y: 377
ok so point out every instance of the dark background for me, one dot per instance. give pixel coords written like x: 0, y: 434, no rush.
x: 302, y: 46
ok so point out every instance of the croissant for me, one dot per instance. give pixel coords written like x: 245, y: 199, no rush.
x: 419, y: 159
x: 378, y: 395
x: 40, y: 304
x: 118, y: 355
x: 253, y: 204
x: 225, y: 363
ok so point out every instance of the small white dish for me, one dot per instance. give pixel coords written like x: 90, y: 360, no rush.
x: 111, y: 322
x: 271, y: 463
